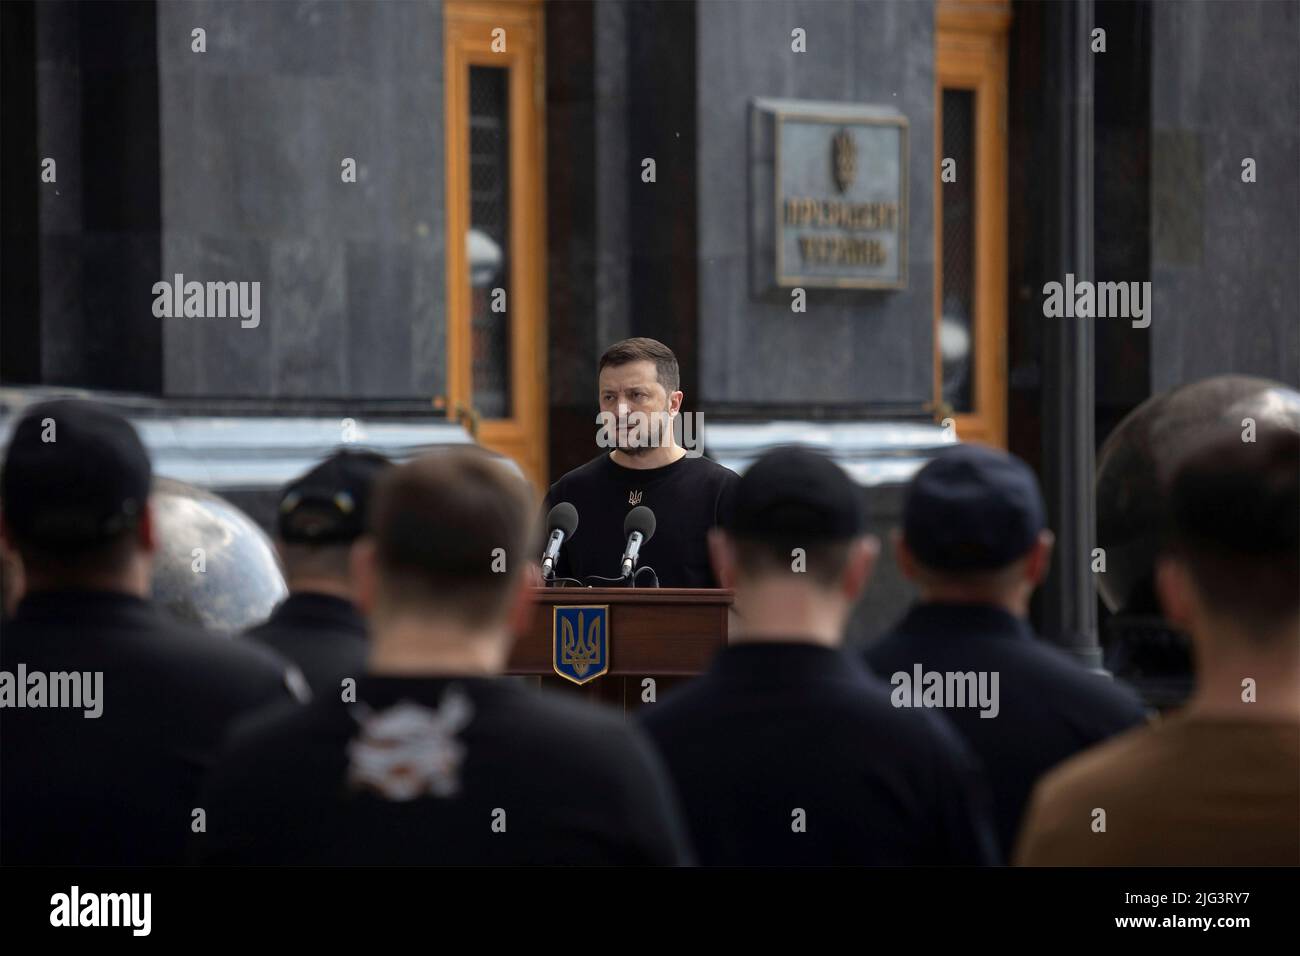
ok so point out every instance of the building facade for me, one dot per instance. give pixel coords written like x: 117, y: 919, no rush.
x: 451, y: 208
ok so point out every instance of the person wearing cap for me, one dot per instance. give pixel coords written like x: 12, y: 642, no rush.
x: 1216, y: 782
x: 786, y: 751
x: 112, y: 710
x: 318, y: 626
x: 974, y: 542
x: 438, y: 759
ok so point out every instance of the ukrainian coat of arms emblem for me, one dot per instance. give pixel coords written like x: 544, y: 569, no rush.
x: 844, y: 159
x: 580, y: 641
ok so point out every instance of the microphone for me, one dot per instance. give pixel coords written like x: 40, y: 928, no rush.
x: 562, y: 523
x: 638, y: 528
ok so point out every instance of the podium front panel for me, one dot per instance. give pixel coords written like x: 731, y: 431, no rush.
x: 668, y: 634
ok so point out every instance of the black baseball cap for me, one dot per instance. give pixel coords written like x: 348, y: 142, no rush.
x: 75, y: 473
x: 795, y: 492
x: 330, y: 504
x: 973, y: 508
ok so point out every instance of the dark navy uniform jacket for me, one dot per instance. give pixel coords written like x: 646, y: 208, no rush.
x: 324, y: 635
x: 119, y: 789
x: 792, y: 754
x: 1050, y: 707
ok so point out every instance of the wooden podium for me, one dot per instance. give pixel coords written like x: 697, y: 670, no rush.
x: 669, y: 634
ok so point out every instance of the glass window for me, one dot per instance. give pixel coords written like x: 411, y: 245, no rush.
x: 488, y: 242
x: 956, y: 333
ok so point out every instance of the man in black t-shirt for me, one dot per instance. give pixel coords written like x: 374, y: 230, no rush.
x: 641, y: 464
x: 434, y: 758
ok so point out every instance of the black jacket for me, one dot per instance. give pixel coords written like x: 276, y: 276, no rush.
x: 324, y: 635
x: 119, y: 788
x: 792, y: 754
x: 1049, y: 707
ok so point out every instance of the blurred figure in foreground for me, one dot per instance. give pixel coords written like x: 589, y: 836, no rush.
x: 786, y: 751
x: 1218, y: 783
x: 974, y: 542
x: 321, y: 514
x: 112, y: 711
x: 435, y: 758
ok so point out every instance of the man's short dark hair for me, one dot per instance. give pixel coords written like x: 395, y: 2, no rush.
x: 70, y: 562
x: 645, y: 350
x: 1234, y: 521
x: 438, y: 522
x: 824, y: 560
x: 318, y: 560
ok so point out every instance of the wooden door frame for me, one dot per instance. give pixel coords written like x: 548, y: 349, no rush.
x: 467, y: 41
x: 971, y: 54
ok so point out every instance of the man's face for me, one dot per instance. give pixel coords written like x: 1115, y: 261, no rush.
x: 634, y: 388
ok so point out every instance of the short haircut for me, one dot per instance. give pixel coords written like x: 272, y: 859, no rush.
x: 316, y: 560
x: 71, y: 561
x: 1233, y: 518
x: 991, y: 581
x: 823, y: 560
x: 438, y: 521
x: 645, y: 350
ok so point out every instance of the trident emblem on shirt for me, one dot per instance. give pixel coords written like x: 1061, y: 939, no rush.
x: 634, y: 497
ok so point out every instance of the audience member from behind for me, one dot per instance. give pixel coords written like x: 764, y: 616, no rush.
x: 438, y: 759
x: 322, y: 513
x: 112, y: 710
x: 975, y: 544
x: 786, y: 751
x: 1218, y: 783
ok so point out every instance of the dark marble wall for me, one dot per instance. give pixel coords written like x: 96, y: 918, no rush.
x: 586, y: 51
x: 1122, y: 203
x: 20, y: 330
x: 622, y: 253
x: 96, y: 99
x: 253, y: 133
x: 1225, y: 86
x: 851, y: 348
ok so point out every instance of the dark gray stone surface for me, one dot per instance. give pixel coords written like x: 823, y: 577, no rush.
x: 253, y: 134
x: 1226, y: 287
x: 97, y: 224
x: 853, y: 347
x: 613, y: 167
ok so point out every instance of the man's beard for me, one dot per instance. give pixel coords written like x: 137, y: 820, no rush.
x: 659, y: 423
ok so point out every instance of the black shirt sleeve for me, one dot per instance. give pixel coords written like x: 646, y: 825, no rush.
x: 723, y: 509
x: 726, y: 503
